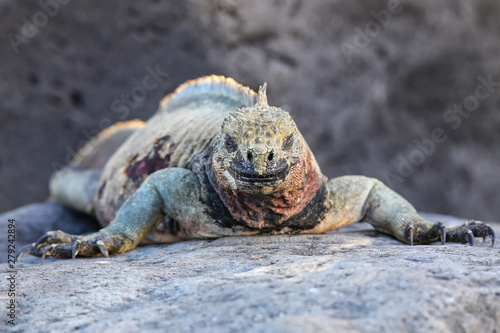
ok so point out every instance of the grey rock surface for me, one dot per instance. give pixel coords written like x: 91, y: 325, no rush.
x: 351, y: 280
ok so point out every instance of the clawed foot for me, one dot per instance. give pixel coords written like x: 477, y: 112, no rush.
x: 461, y: 234
x: 59, y: 244
x: 418, y: 235
x: 466, y: 233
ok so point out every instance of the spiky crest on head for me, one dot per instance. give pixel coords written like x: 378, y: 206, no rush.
x: 262, y: 96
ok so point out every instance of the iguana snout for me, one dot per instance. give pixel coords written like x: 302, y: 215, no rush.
x: 261, y: 168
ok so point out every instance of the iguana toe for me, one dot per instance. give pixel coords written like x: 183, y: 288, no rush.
x: 53, y: 237
x: 489, y: 233
x: 45, y: 250
x: 418, y: 234
x: 56, y: 250
x: 466, y: 232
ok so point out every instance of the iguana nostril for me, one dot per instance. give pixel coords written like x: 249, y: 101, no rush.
x: 270, y: 156
x: 249, y: 155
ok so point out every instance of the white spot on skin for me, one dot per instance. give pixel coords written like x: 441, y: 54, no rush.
x: 230, y: 180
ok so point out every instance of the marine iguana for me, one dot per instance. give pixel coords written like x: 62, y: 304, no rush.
x: 216, y: 160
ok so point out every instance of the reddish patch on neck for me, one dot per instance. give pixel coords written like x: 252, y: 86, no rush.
x: 290, y: 199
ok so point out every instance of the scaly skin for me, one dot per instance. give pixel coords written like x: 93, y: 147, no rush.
x: 216, y: 160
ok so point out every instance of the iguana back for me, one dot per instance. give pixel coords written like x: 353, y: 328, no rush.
x: 184, y: 125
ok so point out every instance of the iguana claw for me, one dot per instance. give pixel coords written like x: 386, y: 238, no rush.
x: 470, y: 237
x: 25, y: 250
x: 442, y: 231
x: 489, y: 233
x: 75, y: 248
x: 46, y: 249
x: 411, y: 231
x: 102, y: 248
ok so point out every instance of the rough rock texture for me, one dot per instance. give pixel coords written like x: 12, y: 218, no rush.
x: 361, y: 113
x: 352, y: 280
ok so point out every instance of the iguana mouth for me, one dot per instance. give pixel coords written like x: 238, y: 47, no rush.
x: 271, y: 176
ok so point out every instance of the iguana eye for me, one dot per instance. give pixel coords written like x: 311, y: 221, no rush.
x: 231, y: 144
x: 270, y: 156
x: 288, y: 142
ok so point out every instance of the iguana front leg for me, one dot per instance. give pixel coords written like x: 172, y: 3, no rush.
x: 358, y: 198
x: 170, y: 192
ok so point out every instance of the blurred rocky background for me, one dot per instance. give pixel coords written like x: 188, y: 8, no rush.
x: 408, y: 92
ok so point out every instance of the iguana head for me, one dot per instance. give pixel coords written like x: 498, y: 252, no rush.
x: 259, y: 149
